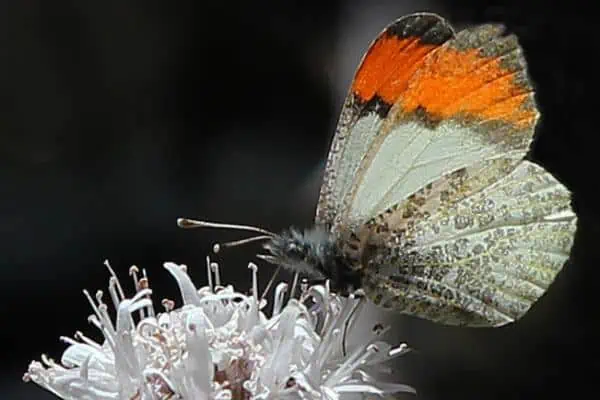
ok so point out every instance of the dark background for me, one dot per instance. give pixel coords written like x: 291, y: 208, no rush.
x: 117, y: 117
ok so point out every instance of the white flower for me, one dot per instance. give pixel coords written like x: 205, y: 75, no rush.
x: 218, y: 345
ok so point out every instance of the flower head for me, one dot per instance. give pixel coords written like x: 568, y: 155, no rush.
x: 218, y: 345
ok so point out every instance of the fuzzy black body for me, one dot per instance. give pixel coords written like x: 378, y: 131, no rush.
x: 317, y: 254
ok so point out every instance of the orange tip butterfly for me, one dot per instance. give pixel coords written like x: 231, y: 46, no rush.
x: 428, y: 204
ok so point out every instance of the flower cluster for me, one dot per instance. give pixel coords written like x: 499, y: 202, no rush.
x: 219, y: 345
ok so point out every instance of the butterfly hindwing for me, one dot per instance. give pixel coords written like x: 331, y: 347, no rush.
x: 473, y: 253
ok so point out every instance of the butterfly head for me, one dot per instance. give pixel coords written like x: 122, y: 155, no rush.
x: 314, y: 253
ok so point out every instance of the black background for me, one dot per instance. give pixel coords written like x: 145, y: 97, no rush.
x: 118, y: 117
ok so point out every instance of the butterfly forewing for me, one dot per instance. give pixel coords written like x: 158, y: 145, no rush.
x: 427, y: 168
x: 390, y: 61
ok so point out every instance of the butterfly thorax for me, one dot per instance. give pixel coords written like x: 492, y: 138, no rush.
x: 318, y: 254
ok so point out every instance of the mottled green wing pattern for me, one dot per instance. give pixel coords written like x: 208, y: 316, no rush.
x: 477, y: 247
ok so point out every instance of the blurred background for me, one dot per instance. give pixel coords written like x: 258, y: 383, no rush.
x: 117, y: 117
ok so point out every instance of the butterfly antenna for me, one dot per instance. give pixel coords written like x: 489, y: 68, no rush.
x: 187, y: 223
x: 217, y: 246
x: 192, y: 223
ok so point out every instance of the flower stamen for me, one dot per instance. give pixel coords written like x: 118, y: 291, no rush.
x: 219, y: 345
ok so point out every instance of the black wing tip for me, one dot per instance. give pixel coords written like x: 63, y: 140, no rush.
x: 430, y: 28
x: 376, y: 105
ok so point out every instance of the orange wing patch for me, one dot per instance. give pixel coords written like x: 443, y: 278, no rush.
x: 388, y: 66
x: 479, y: 74
x: 448, y: 86
x: 418, y: 63
x: 396, y: 55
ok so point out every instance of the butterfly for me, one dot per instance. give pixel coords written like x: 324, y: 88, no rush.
x: 428, y: 203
